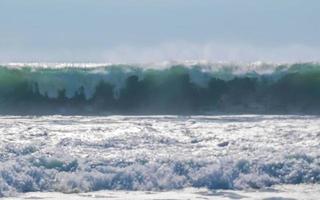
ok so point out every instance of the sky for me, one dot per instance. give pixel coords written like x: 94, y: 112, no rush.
x: 157, y: 30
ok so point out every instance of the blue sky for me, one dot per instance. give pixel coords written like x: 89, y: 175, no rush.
x: 146, y: 30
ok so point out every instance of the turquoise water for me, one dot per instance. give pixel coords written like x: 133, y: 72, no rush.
x: 173, y: 89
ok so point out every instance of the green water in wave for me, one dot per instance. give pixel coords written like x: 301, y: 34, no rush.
x: 177, y: 89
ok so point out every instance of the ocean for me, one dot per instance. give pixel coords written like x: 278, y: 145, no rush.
x: 174, y: 131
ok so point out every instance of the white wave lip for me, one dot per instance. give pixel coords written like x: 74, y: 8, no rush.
x: 83, y: 154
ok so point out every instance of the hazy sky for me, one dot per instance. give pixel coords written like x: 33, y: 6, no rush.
x: 147, y: 30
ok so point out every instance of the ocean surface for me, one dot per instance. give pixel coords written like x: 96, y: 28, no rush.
x: 190, y: 130
x: 160, y: 157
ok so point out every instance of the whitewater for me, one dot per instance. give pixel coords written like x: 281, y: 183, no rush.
x: 208, y: 156
x: 190, y: 130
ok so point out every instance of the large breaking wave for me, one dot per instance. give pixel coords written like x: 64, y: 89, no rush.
x: 172, y: 89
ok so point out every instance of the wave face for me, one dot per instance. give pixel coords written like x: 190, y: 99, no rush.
x: 172, y: 89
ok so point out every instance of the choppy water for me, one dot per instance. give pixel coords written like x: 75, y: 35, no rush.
x: 157, y: 153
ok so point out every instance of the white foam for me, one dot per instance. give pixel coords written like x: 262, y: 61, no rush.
x: 306, y: 192
x: 82, y: 154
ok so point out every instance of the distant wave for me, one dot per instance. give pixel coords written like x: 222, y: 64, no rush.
x: 170, y: 88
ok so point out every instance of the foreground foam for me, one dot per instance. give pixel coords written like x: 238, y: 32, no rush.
x: 82, y: 154
x: 283, y: 192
